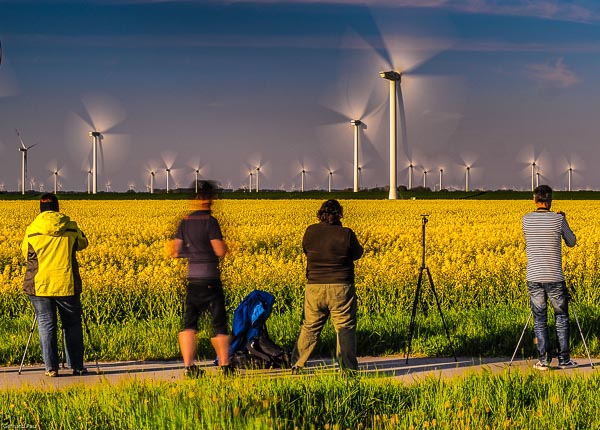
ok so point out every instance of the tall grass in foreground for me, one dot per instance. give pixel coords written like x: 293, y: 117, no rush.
x: 510, y: 400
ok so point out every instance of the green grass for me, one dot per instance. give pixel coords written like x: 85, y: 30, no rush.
x: 490, y: 332
x: 323, y: 401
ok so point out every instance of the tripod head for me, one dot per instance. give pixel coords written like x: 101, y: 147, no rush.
x: 424, y: 218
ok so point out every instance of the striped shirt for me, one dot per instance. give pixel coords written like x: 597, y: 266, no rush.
x: 543, y: 231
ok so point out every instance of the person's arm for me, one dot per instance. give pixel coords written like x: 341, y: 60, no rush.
x: 567, y: 233
x: 219, y: 247
x: 82, y: 241
x: 356, y: 249
x: 177, y: 247
x: 25, y: 247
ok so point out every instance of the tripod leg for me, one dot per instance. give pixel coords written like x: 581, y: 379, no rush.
x: 441, y: 313
x: 521, y: 338
x: 581, y: 333
x: 87, y: 330
x: 411, y: 327
x: 28, y: 341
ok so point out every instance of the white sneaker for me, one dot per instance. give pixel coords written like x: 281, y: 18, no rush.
x: 541, y: 365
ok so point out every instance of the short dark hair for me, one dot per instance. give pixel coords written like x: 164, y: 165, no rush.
x: 48, y: 202
x: 542, y: 194
x: 330, y: 212
x: 204, y: 190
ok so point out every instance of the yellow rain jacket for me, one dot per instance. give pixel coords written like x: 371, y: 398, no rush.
x: 49, y: 247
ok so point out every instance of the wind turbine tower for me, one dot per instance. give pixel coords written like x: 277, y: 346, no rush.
x: 330, y: 179
x: 23, y: 150
x: 168, y: 171
x: 96, y: 138
x: 152, y: 182
x: 356, y: 124
x: 569, y: 177
x: 89, y: 181
x: 532, y: 176
x: 441, y: 179
x: 410, y: 176
x: 302, y: 176
x: 197, y: 172
x: 55, y: 173
x: 424, y: 178
x: 394, y: 78
x: 467, y: 178
x: 257, y: 175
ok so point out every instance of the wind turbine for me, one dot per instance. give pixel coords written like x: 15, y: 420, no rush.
x: 250, y: 175
x: 467, y: 177
x: 152, y: 181
x: 359, y: 177
x: 99, y: 119
x: 89, y: 181
x: 441, y: 179
x: 533, y: 175
x: 410, y: 176
x: 330, y: 179
x: 302, y: 179
x: 23, y: 149
x: 96, y: 141
x: 168, y: 172
x: 424, y: 178
x: 257, y: 177
x: 356, y: 123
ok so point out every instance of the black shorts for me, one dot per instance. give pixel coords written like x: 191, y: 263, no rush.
x: 203, y: 296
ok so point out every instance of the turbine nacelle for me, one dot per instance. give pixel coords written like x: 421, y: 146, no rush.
x: 356, y: 122
x: 391, y: 75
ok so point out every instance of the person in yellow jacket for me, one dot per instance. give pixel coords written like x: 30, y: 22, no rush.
x: 53, y: 283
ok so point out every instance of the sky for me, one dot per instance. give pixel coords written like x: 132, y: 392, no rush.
x: 225, y: 87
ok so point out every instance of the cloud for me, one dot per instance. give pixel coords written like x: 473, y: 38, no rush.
x: 575, y: 11
x: 557, y: 74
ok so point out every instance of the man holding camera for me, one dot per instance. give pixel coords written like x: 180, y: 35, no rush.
x: 544, y: 230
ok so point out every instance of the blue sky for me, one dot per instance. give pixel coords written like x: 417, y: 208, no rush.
x: 226, y: 86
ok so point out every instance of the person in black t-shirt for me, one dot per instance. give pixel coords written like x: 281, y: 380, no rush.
x: 199, y: 239
x: 331, y: 250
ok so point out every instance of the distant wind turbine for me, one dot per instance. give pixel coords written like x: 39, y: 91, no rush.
x: 441, y: 179
x: 23, y: 149
x: 467, y: 178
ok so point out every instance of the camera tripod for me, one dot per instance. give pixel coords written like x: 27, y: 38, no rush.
x: 87, y: 330
x: 424, y: 268
x: 578, y: 326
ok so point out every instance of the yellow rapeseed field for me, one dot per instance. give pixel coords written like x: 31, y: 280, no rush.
x: 475, y: 250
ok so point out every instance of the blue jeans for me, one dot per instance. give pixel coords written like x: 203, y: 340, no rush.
x: 539, y: 293
x: 69, y: 309
x: 321, y: 301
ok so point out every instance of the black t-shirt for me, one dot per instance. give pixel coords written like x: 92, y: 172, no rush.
x: 196, y: 231
x: 330, y: 252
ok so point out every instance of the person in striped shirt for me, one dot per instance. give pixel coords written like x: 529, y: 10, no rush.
x: 544, y: 232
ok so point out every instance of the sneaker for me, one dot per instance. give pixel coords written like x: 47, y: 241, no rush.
x: 80, y: 372
x: 541, y: 365
x: 51, y: 373
x: 297, y: 370
x: 193, y: 372
x: 568, y: 365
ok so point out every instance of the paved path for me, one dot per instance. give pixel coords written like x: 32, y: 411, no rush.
x: 394, y: 367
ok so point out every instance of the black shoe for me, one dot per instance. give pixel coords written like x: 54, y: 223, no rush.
x: 80, y: 372
x: 193, y: 372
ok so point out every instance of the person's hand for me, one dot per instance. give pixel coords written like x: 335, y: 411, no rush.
x: 561, y: 213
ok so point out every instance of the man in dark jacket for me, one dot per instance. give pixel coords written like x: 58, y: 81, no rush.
x: 331, y: 250
x: 52, y: 282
